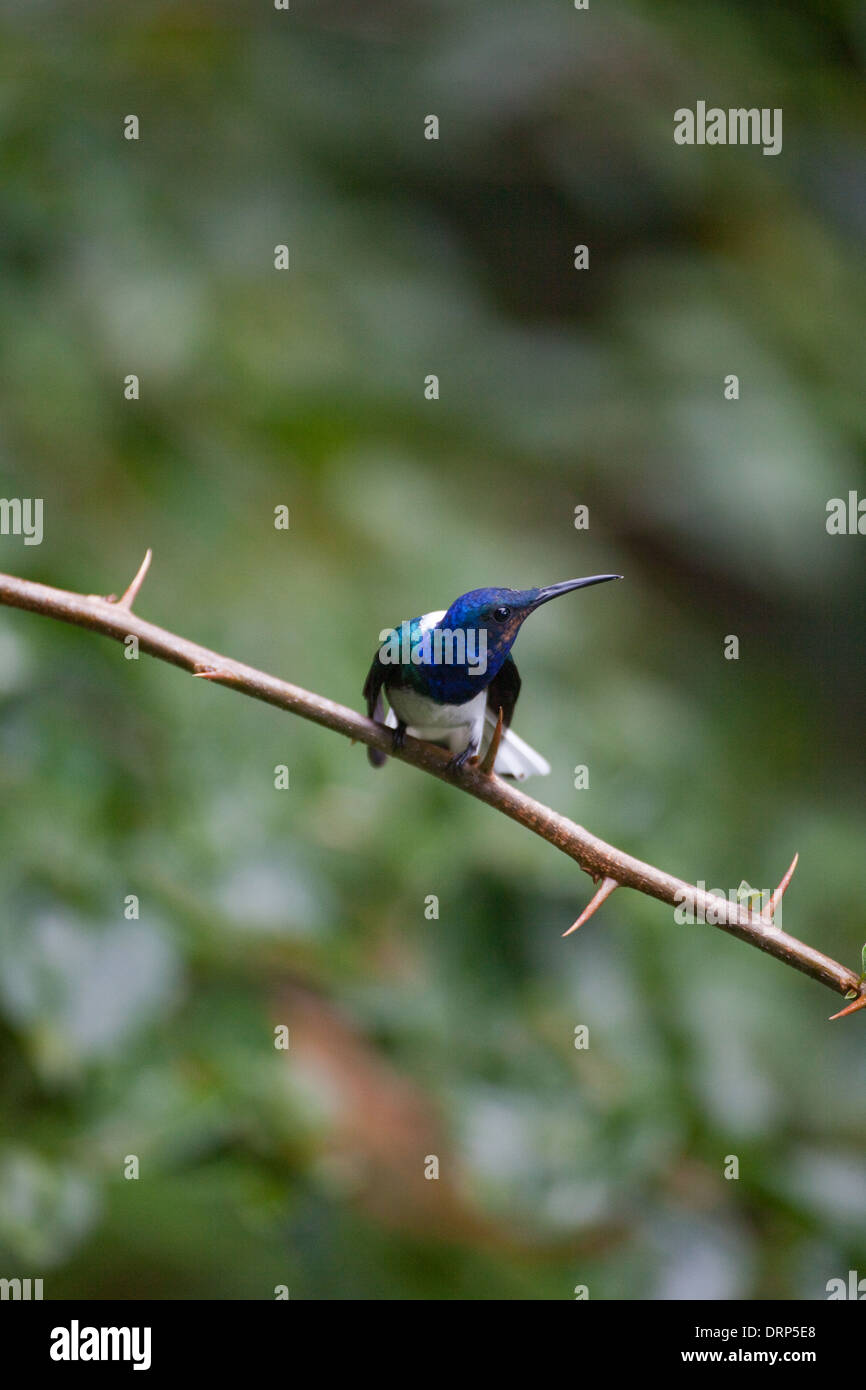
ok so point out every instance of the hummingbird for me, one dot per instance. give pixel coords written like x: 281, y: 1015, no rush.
x: 447, y: 675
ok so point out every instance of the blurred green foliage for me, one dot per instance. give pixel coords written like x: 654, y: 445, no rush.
x: 154, y: 1037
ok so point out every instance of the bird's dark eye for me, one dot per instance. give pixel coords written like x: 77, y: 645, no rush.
x: 501, y: 613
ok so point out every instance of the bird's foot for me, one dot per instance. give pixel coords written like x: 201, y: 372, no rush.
x: 460, y: 760
x: 398, y: 738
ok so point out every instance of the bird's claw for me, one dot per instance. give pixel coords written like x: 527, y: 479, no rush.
x: 460, y: 760
x: 398, y: 738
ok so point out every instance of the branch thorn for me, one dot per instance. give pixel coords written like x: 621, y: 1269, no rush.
x: 128, y: 599
x: 607, y: 887
x: 486, y: 764
x: 210, y: 673
x: 780, y: 891
x: 859, y: 1003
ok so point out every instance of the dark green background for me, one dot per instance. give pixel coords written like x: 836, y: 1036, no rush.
x: 409, y: 1037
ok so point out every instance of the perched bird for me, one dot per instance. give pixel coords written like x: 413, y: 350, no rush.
x: 448, y: 674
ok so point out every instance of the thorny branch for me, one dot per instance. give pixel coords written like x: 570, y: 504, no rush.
x: 610, y: 867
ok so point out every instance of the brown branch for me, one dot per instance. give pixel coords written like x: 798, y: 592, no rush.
x: 602, y: 861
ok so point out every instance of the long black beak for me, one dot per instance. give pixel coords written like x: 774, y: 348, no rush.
x: 554, y: 590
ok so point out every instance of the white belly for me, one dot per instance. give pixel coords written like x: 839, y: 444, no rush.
x: 452, y: 725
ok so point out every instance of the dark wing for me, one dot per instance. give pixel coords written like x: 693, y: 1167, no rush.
x: 503, y: 690
x: 375, y: 704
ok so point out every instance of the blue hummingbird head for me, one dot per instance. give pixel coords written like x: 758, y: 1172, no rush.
x: 500, y: 613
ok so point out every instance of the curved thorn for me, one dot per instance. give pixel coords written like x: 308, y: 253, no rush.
x: 486, y: 764
x: 209, y: 674
x: 128, y: 599
x: 607, y: 887
x: 851, y: 1009
x: 780, y: 891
